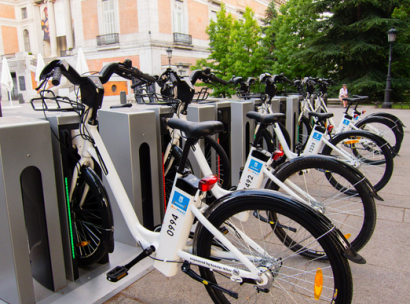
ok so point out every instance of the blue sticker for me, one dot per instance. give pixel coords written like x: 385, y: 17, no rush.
x: 317, y: 136
x: 346, y: 122
x: 255, y: 166
x: 180, y: 201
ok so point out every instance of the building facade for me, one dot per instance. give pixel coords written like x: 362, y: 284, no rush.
x: 107, y: 31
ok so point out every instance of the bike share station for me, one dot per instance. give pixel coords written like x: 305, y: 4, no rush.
x: 36, y: 246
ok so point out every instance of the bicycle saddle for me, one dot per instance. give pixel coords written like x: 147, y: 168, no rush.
x: 266, y: 118
x: 321, y: 116
x: 196, y: 130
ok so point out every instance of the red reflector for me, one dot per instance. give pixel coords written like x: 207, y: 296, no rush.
x: 277, y: 154
x: 355, y: 115
x: 329, y: 128
x: 207, y: 183
x: 364, y: 111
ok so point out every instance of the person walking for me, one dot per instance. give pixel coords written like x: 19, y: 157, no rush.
x: 343, y: 93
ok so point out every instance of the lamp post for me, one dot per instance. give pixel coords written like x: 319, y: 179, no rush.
x: 169, y: 55
x: 391, y: 34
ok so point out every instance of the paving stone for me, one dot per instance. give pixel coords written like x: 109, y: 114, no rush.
x: 407, y: 215
x: 379, y: 285
x: 390, y: 213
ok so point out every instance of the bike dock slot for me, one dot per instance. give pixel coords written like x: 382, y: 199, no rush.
x: 30, y: 242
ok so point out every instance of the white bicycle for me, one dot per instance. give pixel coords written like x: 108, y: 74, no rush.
x: 239, y: 256
x: 330, y: 186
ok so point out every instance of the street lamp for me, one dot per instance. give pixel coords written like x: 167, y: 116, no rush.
x: 391, y: 34
x: 169, y: 55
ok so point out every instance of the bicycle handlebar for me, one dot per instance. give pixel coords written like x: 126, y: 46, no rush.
x: 56, y: 76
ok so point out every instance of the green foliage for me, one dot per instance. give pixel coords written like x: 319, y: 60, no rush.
x: 237, y: 49
x: 345, y: 40
x: 293, y: 29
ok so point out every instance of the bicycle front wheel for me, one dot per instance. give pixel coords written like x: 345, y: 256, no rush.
x: 334, y: 189
x: 218, y: 161
x: 93, y: 225
x: 369, y: 153
x: 291, y: 277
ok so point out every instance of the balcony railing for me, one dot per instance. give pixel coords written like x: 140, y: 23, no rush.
x: 108, y: 39
x: 182, y: 38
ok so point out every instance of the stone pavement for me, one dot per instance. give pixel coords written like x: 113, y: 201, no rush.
x: 384, y: 279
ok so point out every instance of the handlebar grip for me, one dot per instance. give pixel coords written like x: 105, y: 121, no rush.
x: 137, y: 73
x: 213, y: 78
x: 173, y: 79
x: 56, y: 76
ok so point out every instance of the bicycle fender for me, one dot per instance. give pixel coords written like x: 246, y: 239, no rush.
x: 107, y: 235
x: 390, y: 116
x: 291, y: 206
x: 379, y: 140
x: 384, y: 119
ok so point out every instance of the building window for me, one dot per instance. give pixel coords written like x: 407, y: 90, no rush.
x: 24, y: 13
x: 179, y: 17
x: 214, y: 9
x: 108, y: 9
x: 26, y: 41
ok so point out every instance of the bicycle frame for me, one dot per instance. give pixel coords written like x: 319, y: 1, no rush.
x: 168, y: 249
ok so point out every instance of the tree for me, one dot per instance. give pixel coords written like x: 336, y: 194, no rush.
x: 292, y: 30
x: 352, y: 45
x: 236, y: 49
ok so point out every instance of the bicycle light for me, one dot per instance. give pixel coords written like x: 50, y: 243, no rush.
x: 207, y: 183
x: 329, y: 128
x: 277, y: 154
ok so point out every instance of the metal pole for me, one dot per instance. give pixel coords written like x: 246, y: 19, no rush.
x: 387, y: 104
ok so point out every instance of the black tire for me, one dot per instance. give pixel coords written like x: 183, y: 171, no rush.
x: 340, y: 194
x: 92, y: 223
x: 278, y: 146
x: 303, y: 131
x: 266, y: 141
x: 292, y: 277
x: 218, y: 162
x: 371, y: 153
x: 394, y: 118
x: 385, y: 128
x: 173, y: 161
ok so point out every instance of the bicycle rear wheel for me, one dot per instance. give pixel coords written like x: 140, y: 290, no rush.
x: 336, y: 190
x: 303, y: 131
x: 291, y: 277
x: 384, y: 128
x: 93, y: 225
x: 218, y: 161
x: 371, y: 154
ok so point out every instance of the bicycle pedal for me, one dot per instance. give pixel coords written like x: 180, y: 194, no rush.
x: 117, y: 274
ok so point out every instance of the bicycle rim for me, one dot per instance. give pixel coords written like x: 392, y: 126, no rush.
x: 291, y: 276
x: 336, y: 192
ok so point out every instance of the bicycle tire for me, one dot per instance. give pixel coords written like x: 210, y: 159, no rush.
x: 394, y: 118
x: 291, y: 275
x: 278, y: 145
x: 385, y: 127
x: 303, y: 132
x: 218, y: 161
x: 341, y: 194
x: 372, y: 155
x: 266, y: 141
x: 93, y: 224
x: 174, y: 157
